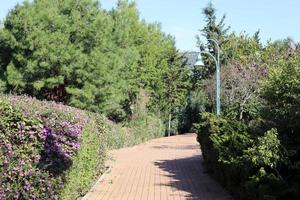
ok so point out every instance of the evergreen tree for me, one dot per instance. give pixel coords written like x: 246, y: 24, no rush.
x: 77, y: 53
x: 216, y: 30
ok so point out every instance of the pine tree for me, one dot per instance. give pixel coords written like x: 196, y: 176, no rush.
x: 77, y: 53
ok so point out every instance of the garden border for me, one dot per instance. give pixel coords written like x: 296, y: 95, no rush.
x: 101, y: 179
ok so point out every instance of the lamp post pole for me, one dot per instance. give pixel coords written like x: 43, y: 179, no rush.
x: 218, y: 78
x: 218, y: 81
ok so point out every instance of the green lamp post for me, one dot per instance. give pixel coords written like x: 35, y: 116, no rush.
x: 199, y: 63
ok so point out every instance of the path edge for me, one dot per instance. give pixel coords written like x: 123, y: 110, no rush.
x: 100, y: 179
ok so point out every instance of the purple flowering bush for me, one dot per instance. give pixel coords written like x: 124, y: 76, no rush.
x: 48, y: 150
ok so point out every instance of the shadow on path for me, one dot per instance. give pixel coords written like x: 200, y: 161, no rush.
x: 188, y: 176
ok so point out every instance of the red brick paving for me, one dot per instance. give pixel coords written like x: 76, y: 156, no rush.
x: 161, y: 169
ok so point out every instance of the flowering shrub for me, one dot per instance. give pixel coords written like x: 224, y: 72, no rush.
x: 22, y: 140
x: 53, y: 151
x: 39, y: 142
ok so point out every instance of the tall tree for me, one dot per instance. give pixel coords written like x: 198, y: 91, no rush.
x: 77, y: 53
x: 177, y: 84
x: 216, y: 30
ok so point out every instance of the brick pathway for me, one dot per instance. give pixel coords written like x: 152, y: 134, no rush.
x: 161, y: 169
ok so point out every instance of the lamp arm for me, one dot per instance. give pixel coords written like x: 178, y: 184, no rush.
x: 205, y: 52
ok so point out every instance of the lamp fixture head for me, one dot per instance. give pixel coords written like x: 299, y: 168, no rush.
x: 199, y: 61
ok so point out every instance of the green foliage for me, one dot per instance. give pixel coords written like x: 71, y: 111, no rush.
x: 240, y: 160
x: 263, y: 185
x: 253, y: 149
x: 139, y: 130
x: 117, y: 137
x: 196, y: 104
x: 79, y: 54
x: 267, y: 151
x: 144, y: 128
x: 243, y: 49
x: 20, y: 175
x: 176, y: 82
x: 88, y: 163
x: 26, y: 128
x: 282, y: 92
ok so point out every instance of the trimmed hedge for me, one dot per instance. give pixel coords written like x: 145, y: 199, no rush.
x: 143, y: 128
x: 53, y: 151
x: 48, y: 150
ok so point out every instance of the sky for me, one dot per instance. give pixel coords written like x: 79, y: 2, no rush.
x: 276, y: 19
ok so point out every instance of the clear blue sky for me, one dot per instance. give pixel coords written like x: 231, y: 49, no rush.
x: 276, y: 19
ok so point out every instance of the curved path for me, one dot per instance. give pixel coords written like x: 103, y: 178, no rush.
x: 161, y: 169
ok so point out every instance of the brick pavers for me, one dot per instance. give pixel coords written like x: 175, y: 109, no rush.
x: 161, y: 169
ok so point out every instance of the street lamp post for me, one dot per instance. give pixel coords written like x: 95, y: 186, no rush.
x: 199, y: 63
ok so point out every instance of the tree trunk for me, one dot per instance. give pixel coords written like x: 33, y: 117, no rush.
x: 169, y: 130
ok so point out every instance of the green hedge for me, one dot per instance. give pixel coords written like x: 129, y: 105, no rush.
x: 245, y: 163
x: 145, y: 127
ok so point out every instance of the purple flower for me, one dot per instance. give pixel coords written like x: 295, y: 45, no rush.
x: 21, y: 162
x: 27, y: 186
x: 6, y: 161
x: 16, y: 195
x: 27, y: 172
x: 47, y: 130
x: 77, y: 146
x: 16, y: 169
x: 26, y: 115
x: 8, y: 146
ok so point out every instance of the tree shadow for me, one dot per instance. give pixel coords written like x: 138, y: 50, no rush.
x: 188, y: 176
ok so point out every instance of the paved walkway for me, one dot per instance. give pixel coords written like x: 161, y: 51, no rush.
x: 161, y: 169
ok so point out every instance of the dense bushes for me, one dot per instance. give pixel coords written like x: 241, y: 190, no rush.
x: 258, y: 157
x: 246, y: 163
x: 47, y: 150
x: 282, y: 92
